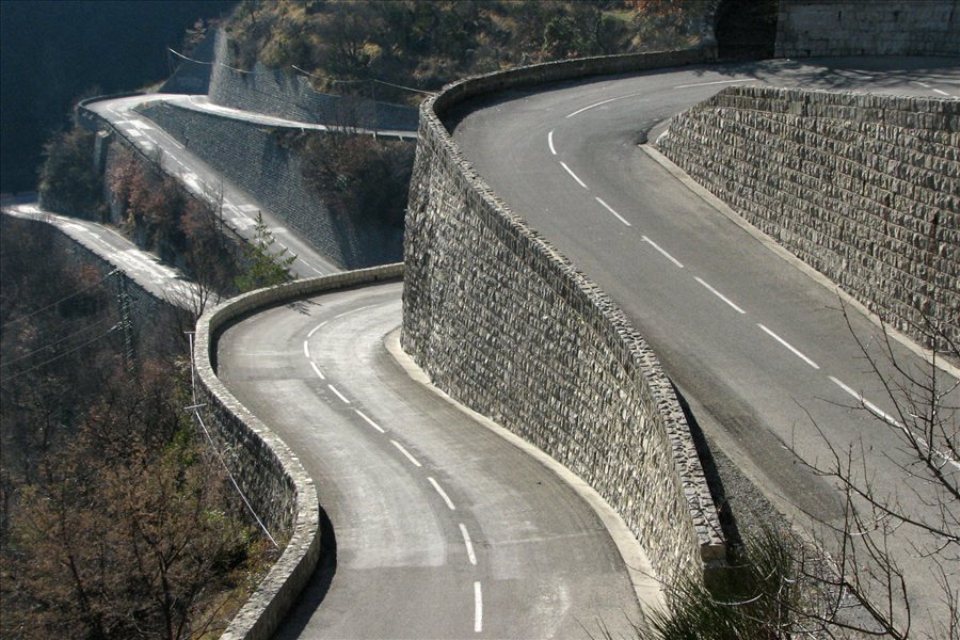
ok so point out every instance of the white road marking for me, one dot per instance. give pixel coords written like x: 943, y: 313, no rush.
x: 874, y: 409
x: 661, y: 250
x: 399, y: 446
x: 886, y: 417
x: 316, y: 328
x: 134, y: 133
x: 720, y: 295
x: 310, y: 265
x: 592, y: 106
x: 941, y: 92
x: 346, y: 313
x: 789, y: 346
x: 573, y: 175
x: 443, y: 494
x: 553, y: 149
x: 339, y: 395
x: 317, y: 371
x: 707, y: 84
x: 477, y: 608
x: 469, y: 545
x: 922, y: 84
x: 306, y: 348
x: 610, y: 209
x: 369, y: 421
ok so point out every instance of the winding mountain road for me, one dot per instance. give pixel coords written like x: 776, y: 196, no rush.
x: 756, y: 342
x: 443, y: 528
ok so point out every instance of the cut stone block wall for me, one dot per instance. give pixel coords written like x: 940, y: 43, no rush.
x: 253, y: 158
x: 868, y: 27
x: 863, y: 188
x: 270, y: 474
x: 506, y: 325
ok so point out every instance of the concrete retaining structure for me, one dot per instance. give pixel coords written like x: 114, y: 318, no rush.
x: 272, y: 477
x: 868, y: 27
x: 254, y: 158
x: 863, y: 188
x: 507, y: 326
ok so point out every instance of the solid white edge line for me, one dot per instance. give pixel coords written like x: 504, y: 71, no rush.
x: 339, y: 395
x: 591, y: 106
x: 553, y: 149
x: 410, y: 457
x: 573, y: 175
x: 789, y: 346
x: 468, y: 544
x: 316, y: 328
x: 663, y: 251
x: 719, y: 295
x: 707, y: 84
x: 369, y: 421
x: 477, y: 608
x: 610, y: 209
x: 306, y: 348
x: 316, y: 370
x: 443, y: 494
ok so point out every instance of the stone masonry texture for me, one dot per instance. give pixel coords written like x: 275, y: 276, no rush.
x: 868, y: 27
x: 506, y: 325
x: 865, y: 189
x: 255, y: 159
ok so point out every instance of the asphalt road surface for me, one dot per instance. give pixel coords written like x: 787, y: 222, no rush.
x: 758, y: 346
x: 240, y: 208
x: 442, y: 528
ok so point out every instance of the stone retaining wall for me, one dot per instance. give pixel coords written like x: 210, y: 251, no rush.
x: 868, y: 27
x: 865, y: 189
x: 276, y: 484
x: 288, y: 94
x: 507, y: 326
x: 254, y: 158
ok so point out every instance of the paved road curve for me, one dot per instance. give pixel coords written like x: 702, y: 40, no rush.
x: 443, y: 529
x: 756, y: 344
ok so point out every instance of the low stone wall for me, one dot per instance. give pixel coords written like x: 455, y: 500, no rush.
x: 253, y: 158
x: 271, y: 476
x: 865, y: 189
x: 507, y: 326
x: 868, y: 27
x: 287, y: 94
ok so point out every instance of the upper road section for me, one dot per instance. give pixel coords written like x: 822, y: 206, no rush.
x: 757, y: 343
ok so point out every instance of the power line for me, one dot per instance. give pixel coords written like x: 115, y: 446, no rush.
x: 57, y: 357
x: 53, y: 304
x: 48, y: 345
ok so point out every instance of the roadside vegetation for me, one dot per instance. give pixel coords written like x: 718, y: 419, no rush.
x: 344, y: 46
x: 115, y: 520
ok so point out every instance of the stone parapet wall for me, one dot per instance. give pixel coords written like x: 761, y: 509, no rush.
x: 865, y: 189
x: 288, y: 94
x: 506, y: 325
x: 868, y: 27
x: 253, y: 158
x: 271, y: 476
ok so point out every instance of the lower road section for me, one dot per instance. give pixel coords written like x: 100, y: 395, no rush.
x: 439, y: 527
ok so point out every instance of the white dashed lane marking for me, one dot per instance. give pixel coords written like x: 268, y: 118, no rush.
x: 468, y: 544
x: 789, y: 346
x: 720, y: 295
x: 662, y: 251
x: 573, y: 175
x: 610, y: 209
x: 338, y: 394
x: 406, y: 453
x: 443, y: 494
x: 369, y: 421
